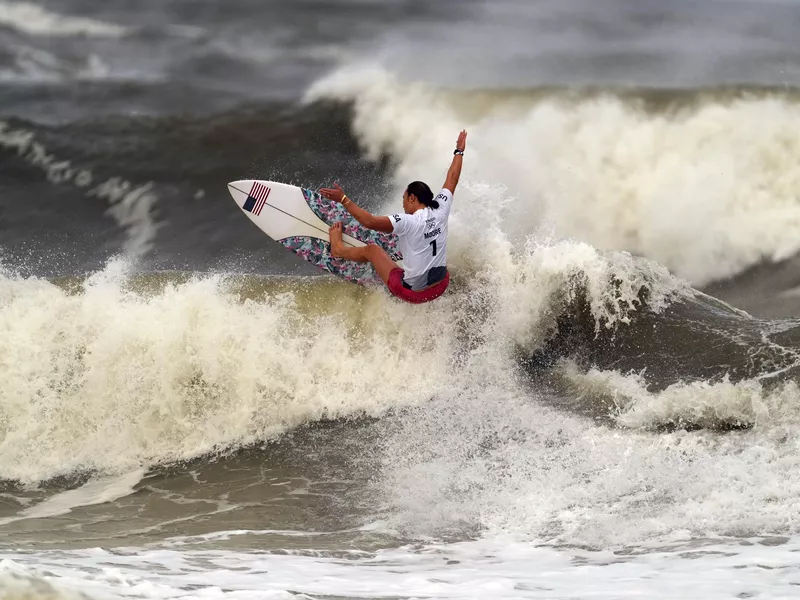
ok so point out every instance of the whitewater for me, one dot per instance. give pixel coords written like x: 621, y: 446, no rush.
x: 702, y: 183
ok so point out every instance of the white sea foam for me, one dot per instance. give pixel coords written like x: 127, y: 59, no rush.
x: 17, y: 584
x: 95, y: 491
x: 492, y: 568
x: 36, y: 20
x: 497, y: 455
x: 706, y: 191
x: 747, y: 403
x: 111, y: 380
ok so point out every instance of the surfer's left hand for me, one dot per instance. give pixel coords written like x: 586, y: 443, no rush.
x: 336, y: 193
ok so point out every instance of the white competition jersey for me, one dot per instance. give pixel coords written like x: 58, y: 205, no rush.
x: 422, y: 238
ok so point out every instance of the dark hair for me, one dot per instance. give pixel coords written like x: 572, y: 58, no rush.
x: 423, y: 193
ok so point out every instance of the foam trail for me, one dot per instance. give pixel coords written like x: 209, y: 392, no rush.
x: 707, y: 187
x: 96, y: 491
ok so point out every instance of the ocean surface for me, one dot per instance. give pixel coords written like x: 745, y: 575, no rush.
x: 605, y: 404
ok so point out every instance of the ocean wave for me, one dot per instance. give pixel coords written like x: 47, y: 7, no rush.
x: 699, y: 404
x: 120, y: 371
x: 130, y: 206
x: 703, y: 182
x: 33, y: 19
x: 104, y: 379
x: 33, y: 65
x: 115, y: 374
x: 546, y: 163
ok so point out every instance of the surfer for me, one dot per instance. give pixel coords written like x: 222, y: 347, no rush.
x: 421, y: 235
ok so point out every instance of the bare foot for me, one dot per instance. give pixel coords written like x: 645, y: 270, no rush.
x: 336, y: 239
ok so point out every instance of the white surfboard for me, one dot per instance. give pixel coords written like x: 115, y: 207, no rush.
x: 299, y: 219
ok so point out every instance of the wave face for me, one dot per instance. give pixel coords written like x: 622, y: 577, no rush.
x: 703, y: 182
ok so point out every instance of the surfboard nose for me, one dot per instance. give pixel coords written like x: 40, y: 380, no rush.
x: 239, y: 190
x: 239, y: 185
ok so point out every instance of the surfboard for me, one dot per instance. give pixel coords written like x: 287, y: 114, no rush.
x: 299, y: 219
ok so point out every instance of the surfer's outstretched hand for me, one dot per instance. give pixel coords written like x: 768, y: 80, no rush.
x: 336, y: 193
x: 461, y: 142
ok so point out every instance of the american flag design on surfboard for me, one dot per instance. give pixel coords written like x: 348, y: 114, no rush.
x: 257, y: 198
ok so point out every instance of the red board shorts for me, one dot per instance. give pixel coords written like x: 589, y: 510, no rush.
x: 397, y: 288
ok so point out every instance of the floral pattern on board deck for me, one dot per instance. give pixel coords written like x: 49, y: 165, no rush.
x: 333, y: 212
x: 318, y: 252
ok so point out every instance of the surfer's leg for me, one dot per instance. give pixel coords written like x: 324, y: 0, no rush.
x: 370, y: 253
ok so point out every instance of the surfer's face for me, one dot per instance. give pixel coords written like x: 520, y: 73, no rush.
x: 409, y: 203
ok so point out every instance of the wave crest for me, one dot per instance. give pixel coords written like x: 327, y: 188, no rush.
x: 704, y: 183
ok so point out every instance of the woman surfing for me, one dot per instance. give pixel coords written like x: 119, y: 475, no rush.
x: 421, y: 231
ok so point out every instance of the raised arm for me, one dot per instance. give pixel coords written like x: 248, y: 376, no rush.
x: 367, y: 219
x: 454, y: 172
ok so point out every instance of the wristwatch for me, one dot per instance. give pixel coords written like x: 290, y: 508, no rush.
x: 458, y: 151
